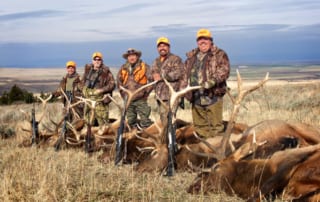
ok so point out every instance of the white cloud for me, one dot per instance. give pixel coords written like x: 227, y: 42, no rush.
x: 79, y: 20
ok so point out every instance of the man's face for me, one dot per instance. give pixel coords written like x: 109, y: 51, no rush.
x: 204, y: 44
x: 71, y: 70
x: 97, y: 61
x: 163, y: 49
x: 132, y: 58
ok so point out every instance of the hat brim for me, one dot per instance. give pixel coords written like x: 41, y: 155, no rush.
x: 138, y: 53
x: 163, y: 43
x: 204, y: 37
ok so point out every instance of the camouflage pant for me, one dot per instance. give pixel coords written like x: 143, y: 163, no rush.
x: 139, y: 108
x: 208, y: 120
x: 101, y: 114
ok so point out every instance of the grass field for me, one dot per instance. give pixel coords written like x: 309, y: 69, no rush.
x: 41, y: 174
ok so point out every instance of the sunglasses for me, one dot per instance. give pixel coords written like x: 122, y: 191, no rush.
x: 69, y: 67
x: 131, y: 52
x: 97, y: 59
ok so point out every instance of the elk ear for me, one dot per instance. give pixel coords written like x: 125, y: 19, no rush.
x: 242, y: 152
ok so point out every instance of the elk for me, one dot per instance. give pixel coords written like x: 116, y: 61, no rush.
x: 251, y: 179
x: 257, y: 168
x: 304, y: 183
x: 43, y: 134
x: 158, y: 160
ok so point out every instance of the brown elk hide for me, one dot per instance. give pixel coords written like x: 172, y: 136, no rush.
x: 305, y: 180
x: 246, y: 178
x: 280, y: 135
x: 157, y: 161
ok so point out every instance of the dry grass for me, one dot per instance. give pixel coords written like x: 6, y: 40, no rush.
x: 38, y: 174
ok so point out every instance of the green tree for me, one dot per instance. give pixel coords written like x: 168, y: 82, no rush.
x: 4, y: 99
x: 15, y: 94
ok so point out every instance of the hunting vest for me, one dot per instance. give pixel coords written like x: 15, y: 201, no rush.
x: 138, y: 71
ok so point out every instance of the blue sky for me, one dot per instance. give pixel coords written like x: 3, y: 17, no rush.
x: 37, y: 33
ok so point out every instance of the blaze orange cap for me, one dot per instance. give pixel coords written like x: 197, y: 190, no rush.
x: 204, y: 33
x: 71, y: 63
x: 163, y: 40
x: 97, y: 54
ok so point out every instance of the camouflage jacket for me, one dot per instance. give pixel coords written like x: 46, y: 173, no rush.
x: 76, y: 87
x: 105, y: 80
x: 139, y: 76
x: 172, y: 69
x: 216, y: 68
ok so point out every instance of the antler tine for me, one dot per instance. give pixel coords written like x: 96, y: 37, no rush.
x: 146, y: 139
x: 69, y: 106
x: 205, y: 142
x: 75, y: 132
x: 176, y: 94
x: 115, y: 102
x: 131, y: 94
x: 236, y: 107
x: 44, y: 104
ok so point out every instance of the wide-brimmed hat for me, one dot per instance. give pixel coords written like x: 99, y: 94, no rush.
x: 131, y: 51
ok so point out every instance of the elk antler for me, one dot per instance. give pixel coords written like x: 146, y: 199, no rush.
x: 44, y: 104
x: 69, y: 106
x: 175, y: 95
x: 131, y: 94
x: 236, y: 106
x: 91, y: 103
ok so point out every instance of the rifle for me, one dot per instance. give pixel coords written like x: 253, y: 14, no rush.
x: 88, y: 144
x: 35, y: 131
x: 172, y: 145
x: 119, y: 153
x: 62, y: 136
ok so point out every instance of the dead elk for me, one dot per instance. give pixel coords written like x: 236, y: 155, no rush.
x: 252, y: 179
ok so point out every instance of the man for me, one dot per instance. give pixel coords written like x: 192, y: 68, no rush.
x: 72, y: 87
x: 167, y: 66
x: 133, y: 75
x: 98, y: 81
x: 208, y: 66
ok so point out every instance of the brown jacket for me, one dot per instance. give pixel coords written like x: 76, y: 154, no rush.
x: 172, y: 69
x: 105, y: 80
x: 216, y: 68
x: 76, y: 90
x: 139, y: 76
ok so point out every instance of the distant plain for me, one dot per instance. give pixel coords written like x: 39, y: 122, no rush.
x: 38, y: 80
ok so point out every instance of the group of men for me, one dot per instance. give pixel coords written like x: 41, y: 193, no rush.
x: 206, y: 66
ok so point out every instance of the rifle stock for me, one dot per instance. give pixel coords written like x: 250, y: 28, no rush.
x: 64, y: 126
x: 172, y: 146
x: 63, y: 134
x: 88, y: 144
x: 35, y: 133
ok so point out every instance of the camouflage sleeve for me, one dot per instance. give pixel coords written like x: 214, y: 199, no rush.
x: 58, y: 92
x: 110, y: 83
x: 119, y: 83
x: 185, y: 80
x: 223, y: 68
x: 154, y: 68
x: 150, y: 79
x: 177, y: 70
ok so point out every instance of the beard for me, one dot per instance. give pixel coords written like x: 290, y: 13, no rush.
x: 163, y: 52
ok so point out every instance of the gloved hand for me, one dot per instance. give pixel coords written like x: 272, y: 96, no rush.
x: 169, y: 76
x: 88, y: 92
x: 208, y: 84
x: 156, y: 76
